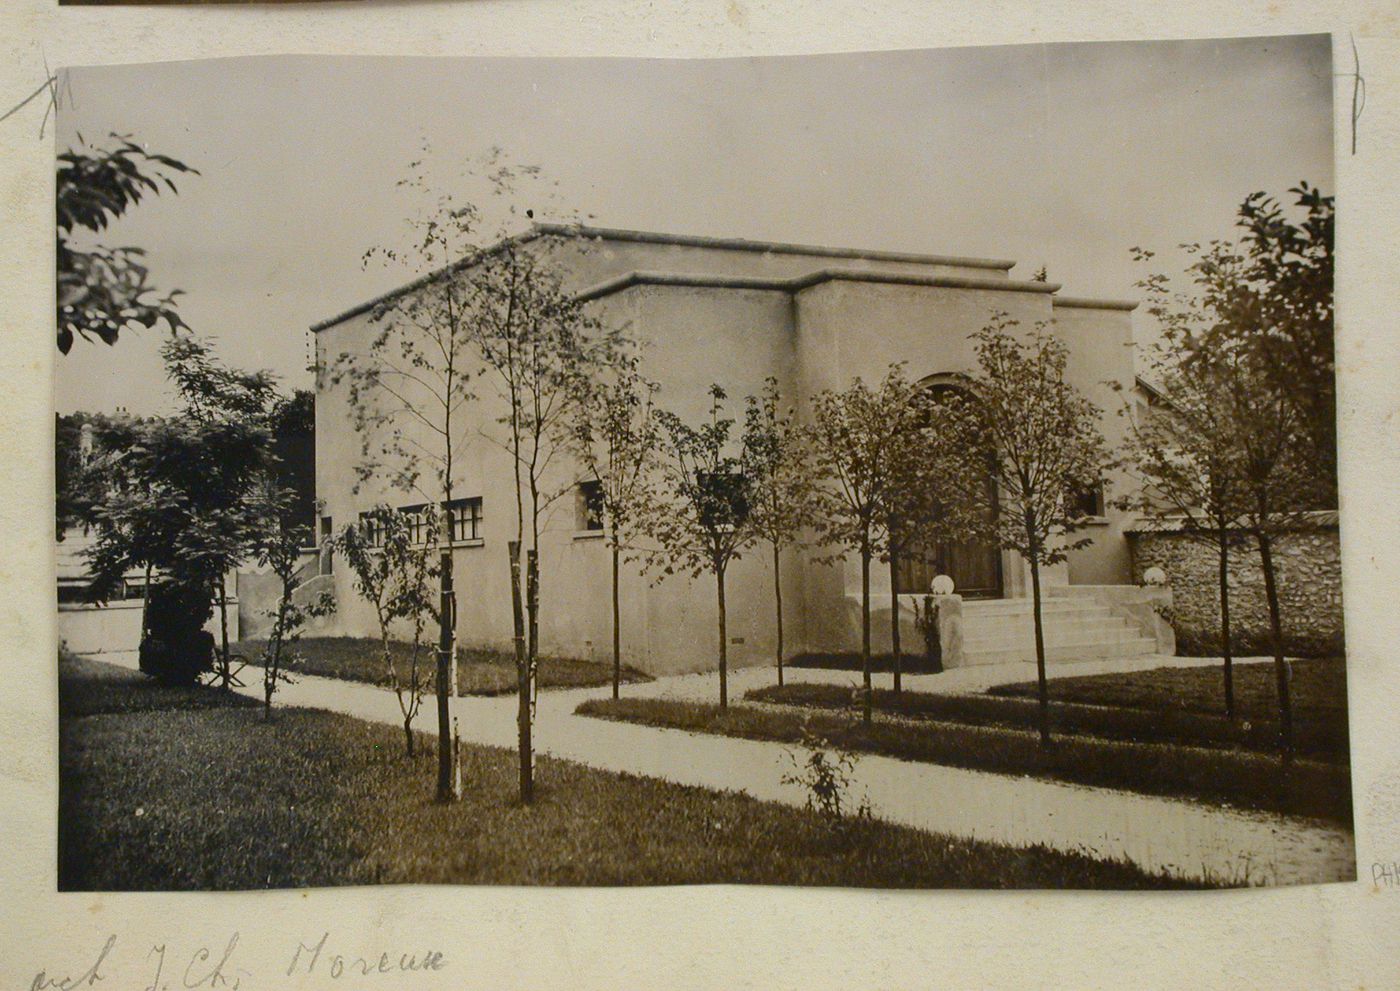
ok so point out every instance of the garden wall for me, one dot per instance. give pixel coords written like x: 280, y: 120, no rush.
x: 1308, y: 566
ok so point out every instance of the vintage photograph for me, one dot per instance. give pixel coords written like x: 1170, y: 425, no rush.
x: 892, y: 470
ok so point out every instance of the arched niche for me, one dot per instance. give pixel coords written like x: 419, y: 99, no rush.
x: 977, y: 568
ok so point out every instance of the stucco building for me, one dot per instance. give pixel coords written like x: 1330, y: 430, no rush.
x: 736, y: 312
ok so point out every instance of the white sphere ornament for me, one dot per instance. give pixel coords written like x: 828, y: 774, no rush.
x: 1154, y: 576
x: 941, y: 585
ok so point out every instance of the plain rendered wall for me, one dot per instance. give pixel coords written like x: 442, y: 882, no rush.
x: 819, y: 337
x: 1100, y: 354
x: 692, y: 337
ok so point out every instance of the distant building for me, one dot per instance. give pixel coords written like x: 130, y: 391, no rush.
x: 735, y: 312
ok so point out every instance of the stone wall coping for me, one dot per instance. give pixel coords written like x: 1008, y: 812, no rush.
x: 1320, y: 519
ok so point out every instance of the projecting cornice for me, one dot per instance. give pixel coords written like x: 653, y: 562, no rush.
x: 807, y: 281
x: 539, y: 230
x: 1081, y: 303
x: 772, y: 247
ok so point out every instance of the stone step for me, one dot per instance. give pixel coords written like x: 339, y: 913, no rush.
x: 1085, y: 624
x: 1002, y: 606
x: 1063, y: 653
x: 1011, y: 639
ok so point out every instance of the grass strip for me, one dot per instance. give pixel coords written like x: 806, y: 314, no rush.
x: 1321, y: 741
x: 479, y: 672
x: 1244, y: 780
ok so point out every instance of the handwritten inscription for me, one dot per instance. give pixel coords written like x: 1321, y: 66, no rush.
x: 1386, y: 874
x: 43, y: 982
x: 215, y: 967
x: 340, y: 965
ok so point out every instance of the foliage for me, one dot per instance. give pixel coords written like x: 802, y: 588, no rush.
x: 175, y: 649
x: 825, y: 773
x: 1259, y: 313
x: 1045, y: 436
x: 700, y: 513
x: 103, y: 291
x: 775, y: 453
x: 1047, y: 450
x: 616, y: 436
x: 278, y: 544
x: 783, y: 491
x: 395, y: 574
x: 172, y: 494
x: 1182, y: 451
x: 893, y: 459
x: 1269, y: 296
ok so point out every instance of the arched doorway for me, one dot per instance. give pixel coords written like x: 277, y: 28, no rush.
x: 974, y: 566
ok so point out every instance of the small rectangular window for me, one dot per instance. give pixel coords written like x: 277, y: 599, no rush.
x: 417, y: 522
x: 465, y: 517
x: 588, y: 506
x: 372, y: 530
x: 1088, y: 503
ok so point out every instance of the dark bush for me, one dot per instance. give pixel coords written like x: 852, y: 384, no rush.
x: 175, y: 647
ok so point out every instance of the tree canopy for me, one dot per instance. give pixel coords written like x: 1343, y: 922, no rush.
x: 104, y: 290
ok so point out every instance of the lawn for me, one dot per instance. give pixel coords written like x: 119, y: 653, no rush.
x: 479, y: 672
x: 191, y: 789
x: 1320, y: 732
x: 1227, y: 777
x: 1319, y: 693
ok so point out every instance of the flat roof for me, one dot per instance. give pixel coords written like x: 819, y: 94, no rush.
x: 538, y: 230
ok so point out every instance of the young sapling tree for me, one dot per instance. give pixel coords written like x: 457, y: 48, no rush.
x: 700, y: 518
x: 1048, y: 452
x: 391, y: 556
x: 782, y: 490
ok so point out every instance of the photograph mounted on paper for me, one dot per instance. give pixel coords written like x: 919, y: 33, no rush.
x: 910, y: 469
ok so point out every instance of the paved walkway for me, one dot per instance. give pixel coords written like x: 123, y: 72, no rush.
x: 1180, y: 837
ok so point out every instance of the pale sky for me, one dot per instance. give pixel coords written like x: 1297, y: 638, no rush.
x: 1057, y: 155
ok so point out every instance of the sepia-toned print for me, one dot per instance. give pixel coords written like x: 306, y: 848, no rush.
x: 900, y: 470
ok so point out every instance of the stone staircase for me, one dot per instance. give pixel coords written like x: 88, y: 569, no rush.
x: 1002, y: 631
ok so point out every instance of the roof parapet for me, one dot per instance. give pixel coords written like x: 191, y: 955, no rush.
x: 801, y: 282
x: 1084, y: 303
x: 542, y: 229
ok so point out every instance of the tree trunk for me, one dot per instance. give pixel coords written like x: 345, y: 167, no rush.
x: 1225, y: 644
x: 522, y: 675
x: 145, y: 600
x: 408, y: 734
x: 225, y: 673
x: 867, y: 700
x: 778, y: 601
x: 1285, y: 701
x: 617, y: 622
x: 895, y: 657
x: 449, y: 781
x: 1042, y: 686
x: 723, y: 643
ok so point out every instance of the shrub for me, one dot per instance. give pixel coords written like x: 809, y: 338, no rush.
x: 175, y: 647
